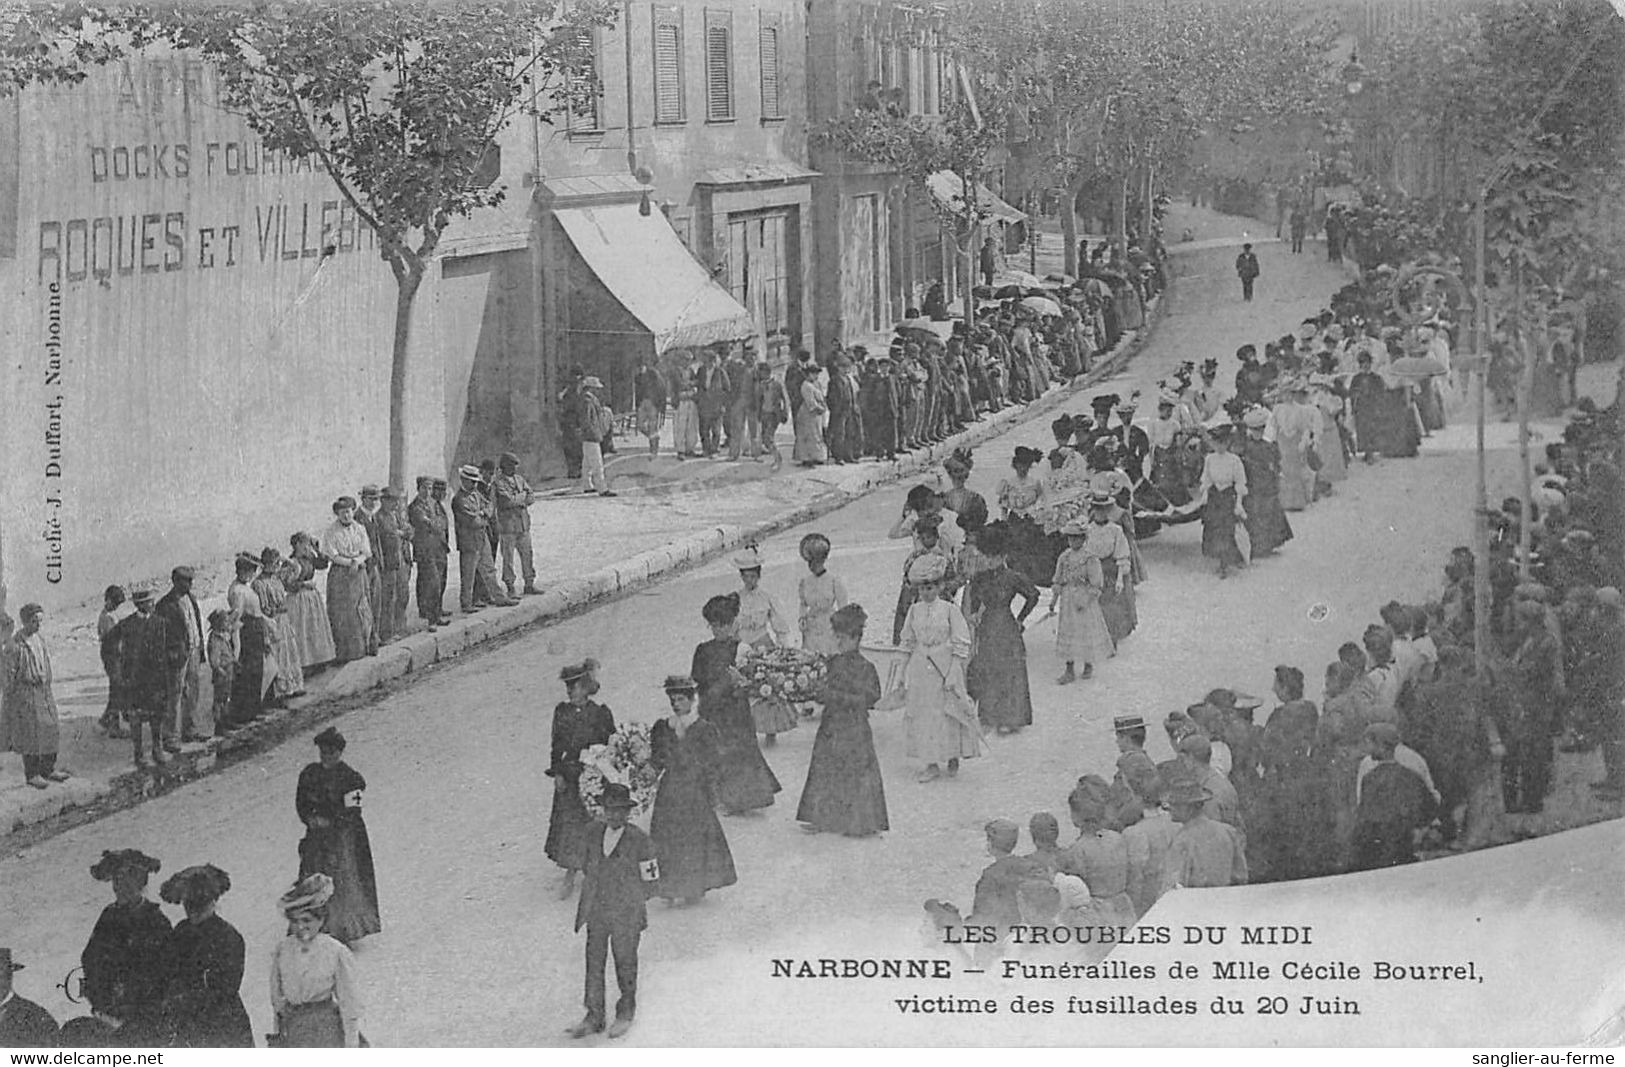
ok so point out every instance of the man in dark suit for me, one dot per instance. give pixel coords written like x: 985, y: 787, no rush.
x: 620, y: 873
x: 712, y: 384
x: 23, y: 1024
x: 431, y: 547
x: 177, y: 643
x: 1247, y: 270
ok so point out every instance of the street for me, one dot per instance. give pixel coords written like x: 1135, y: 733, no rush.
x: 475, y: 948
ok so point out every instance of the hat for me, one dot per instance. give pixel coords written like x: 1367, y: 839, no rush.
x: 115, y: 860
x: 390, y: 493
x: 1091, y: 797
x: 592, y: 382
x: 182, y: 572
x: 219, y: 615
x: 195, y: 885
x: 1105, y: 402
x: 1166, y: 399
x: 330, y: 738
x: 1534, y: 591
x: 308, y: 894
x: 141, y: 596
x: 574, y: 672
x: 927, y: 568
x: 815, y: 545
x: 849, y: 620
x: 469, y: 470
x: 1102, y: 500
x: 440, y: 483
x: 1027, y: 455
x: 680, y: 683
x: 748, y: 560
x: 422, y: 480
x: 248, y: 559
x: 369, y: 490
x: 1002, y: 834
x: 269, y: 557
x: 1256, y: 418
x: 1123, y: 723
x: 1580, y: 537
x: 1075, y: 528
x: 507, y: 457
x: 1187, y: 790
x: 615, y: 795
x: 1074, y: 891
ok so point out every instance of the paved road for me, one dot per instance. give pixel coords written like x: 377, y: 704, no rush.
x: 476, y: 951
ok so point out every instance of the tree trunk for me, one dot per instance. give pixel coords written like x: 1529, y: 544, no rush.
x: 1481, y: 535
x: 1145, y: 232
x: 1122, y: 215
x: 407, y: 285
x: 967, y: 190
x: 1069, y: 228
x: 1526, y: 383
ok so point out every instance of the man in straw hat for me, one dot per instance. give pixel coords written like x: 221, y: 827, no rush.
x: 23, y: 1024
x: 621, y: 873
x: 1205, y: 852
x: 471, y: 511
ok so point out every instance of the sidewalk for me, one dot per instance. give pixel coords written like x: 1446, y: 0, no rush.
x: 587, y: 549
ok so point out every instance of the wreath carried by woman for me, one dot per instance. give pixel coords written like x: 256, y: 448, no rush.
x: 627, y: 758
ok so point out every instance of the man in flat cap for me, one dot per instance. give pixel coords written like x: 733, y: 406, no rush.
x: 431, y: 546
x: 470, y: 510
x: 366, y: 516
x: 23, y: 1024
x: 514, y: 496
x: 395, y: 565
x: 176, y: 643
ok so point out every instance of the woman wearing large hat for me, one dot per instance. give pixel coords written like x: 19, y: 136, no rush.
x: 1267, y: 525
x: 1080, y: 628
x: 844, y: 793
x: 996, y: 675
x: 693, y: 851
x: 314, y: 992
x: 579, y: 722
x: 938, y: 717
x: 328, y: 800
x: 1023, y: 495
x: 124, y: 978
x: 203, y: 1007
x: 745, y: 782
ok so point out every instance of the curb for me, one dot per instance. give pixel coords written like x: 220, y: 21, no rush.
x: 83, y: 800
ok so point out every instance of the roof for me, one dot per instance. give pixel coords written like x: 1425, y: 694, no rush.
x: 949, y: 190
x: 592, y: 186
x: 645, y: 266
x: 757, y: 174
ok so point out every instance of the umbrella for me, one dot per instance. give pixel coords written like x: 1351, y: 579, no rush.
x: 1007, y: 292
x: 1417, y: 367
x: 1058, y: 278
x: 1042, y: 304
x: 1019, y: 277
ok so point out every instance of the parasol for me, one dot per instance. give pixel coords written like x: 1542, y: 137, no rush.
x: 1417, y: 367
x: 1020, y: 277
x: 1041, y: 304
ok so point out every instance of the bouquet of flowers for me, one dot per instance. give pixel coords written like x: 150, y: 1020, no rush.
x: 627, y: 758
x: 792, y: 675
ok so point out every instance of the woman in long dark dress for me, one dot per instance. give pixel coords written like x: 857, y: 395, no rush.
x: 578, y: 723
x: 124, y: 980
x: 1224, y: 483
x: 1267, y: 526
x: 328, y: 800
x: 744, y: 780
x: 692, y: 850
x: 1296, y: 825
x: 996, y: 676
x: 844, y: 793
x: 203, y: 966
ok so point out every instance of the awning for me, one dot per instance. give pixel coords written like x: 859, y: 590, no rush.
x: 644, y: 265
x: 949, y: 190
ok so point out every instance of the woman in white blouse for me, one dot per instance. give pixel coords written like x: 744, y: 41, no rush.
x: 1223, y: 485
x: 313, y: 981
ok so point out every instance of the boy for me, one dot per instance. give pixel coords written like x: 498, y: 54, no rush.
x: 621, y: 871
x: 112, y: 721
x: 129, y: 638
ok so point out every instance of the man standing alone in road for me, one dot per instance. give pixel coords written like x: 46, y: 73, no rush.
x: 1247, y: 270
x: 514, y: 496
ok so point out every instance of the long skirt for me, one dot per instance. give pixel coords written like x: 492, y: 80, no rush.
x: 312, y: 632
x: 996, y: 676
x: 256, y: 669
x: 1430, y: 405
x: 1297, y: 480
x: 844, y: 793
x: 1081, y: 634
x: 809, y: 437
x: 1333, y: 467
x: 685, y: 428
x: 693, y: 852
x: 1219, y: 527
x: 935, y: 721
x: 349, y: 613
x: 744, y: 781
x: 344, y: 854
x: 1267, y: 526
x: 567, y: 826
x: 1117, y: 608
x: 290, y: 675
x: 314, y: 1025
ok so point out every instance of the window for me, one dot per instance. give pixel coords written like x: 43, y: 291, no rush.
x: 772, y: 104
x: 668, y: 50
x: 584, y: 88
x: 719, y: 66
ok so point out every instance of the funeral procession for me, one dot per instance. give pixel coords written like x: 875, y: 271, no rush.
x: 811, y: 523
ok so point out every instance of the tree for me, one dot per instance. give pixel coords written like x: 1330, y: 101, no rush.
x: 401, y: 101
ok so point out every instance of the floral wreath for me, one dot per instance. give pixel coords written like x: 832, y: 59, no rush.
x: 627, y: 758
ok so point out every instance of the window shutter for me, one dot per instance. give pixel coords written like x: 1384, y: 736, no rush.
x: 771, y: 104
x: 719, y: 95
x: 586, y: 94
x: 668, y: 56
